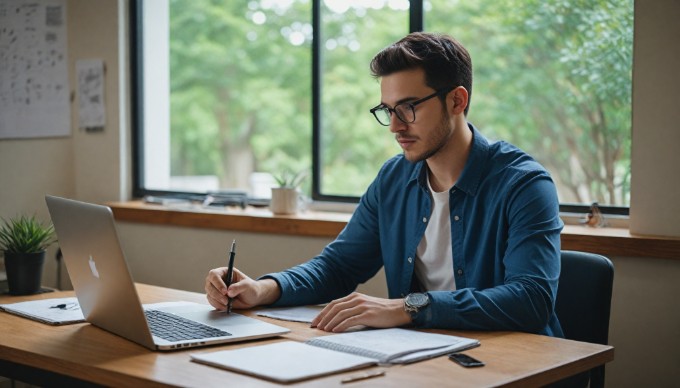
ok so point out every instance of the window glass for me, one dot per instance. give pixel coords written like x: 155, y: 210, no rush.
x: 554, y: 78
x: 226, y: 93
x: 353, y: 144
x: 225, y: 90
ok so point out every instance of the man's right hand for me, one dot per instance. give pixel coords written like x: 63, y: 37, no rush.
x: 246, y: 292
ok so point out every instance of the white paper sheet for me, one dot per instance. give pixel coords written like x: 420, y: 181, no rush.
x: 34, y: 87
x: 55, y: 311
x: 91, y: 107
x: 293, y: 314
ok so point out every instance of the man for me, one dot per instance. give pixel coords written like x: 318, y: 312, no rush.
x: 468, y: 231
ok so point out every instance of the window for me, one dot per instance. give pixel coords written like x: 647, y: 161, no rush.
x: 227, y: 92
x: 351, y: 146
x: 223, y: 92
x: 554, y: 78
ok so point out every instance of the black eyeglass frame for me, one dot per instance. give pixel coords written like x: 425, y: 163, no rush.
x: 410, y: 104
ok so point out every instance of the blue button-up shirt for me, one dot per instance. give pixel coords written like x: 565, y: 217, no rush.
x: 505, y: 233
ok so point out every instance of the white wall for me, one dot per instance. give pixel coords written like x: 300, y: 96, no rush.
x: 100, y: 161
x: 28, y: 170
x: 645, y: 323
x: 655, y: 190
x: 87, y: 166
x: 95, y: 167
x: 181, y: 257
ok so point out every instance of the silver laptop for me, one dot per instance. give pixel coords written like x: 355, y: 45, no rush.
x: 108, y: 297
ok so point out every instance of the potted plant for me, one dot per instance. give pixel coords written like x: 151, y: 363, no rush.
x: 24, y: 241
x: 286, y: 197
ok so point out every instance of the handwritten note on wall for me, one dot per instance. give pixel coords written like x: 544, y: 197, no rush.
x: 34, y: 87
x: 91, y: 107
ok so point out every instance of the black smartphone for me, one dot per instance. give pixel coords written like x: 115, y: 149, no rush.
x: 465, y: 360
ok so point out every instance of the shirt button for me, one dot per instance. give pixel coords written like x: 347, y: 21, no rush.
x: 410, y: 260
x: 456, y: 218
x: 460, y: 272
x: 425, y: 219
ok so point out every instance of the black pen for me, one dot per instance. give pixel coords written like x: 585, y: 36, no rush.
x: 65, y: 306
x: 230, y: 272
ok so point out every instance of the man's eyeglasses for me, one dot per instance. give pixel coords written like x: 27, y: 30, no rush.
x: 405, y: 111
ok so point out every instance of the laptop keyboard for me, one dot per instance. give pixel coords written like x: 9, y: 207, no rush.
x: 172, y: 327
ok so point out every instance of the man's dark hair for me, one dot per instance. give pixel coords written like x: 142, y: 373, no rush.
x: 443, y: 59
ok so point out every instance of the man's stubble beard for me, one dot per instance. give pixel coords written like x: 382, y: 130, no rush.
x: 442, y: 134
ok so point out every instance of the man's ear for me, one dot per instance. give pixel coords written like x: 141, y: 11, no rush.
x: 459, y: 97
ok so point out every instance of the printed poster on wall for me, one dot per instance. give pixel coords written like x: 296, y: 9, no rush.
x: 34, y: 85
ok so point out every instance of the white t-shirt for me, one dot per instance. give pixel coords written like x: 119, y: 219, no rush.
x: 434, y: 260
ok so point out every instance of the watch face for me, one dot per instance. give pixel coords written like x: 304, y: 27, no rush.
x: 417, y: 300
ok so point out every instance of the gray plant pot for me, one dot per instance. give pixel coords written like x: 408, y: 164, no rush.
x: 24, y: 272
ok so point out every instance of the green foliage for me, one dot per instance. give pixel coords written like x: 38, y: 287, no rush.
x: 240, y: 98
x: 290, y: 179
x: 354, y: 145
x: 25, y: 235
x: 554, y: 78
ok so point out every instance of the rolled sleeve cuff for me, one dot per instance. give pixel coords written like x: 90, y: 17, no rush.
x: 424, y: 317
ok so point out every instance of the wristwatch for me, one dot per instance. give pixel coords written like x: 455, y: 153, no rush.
x: 415, y: 302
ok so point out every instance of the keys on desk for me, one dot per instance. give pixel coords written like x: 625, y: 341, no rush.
x: 171, y: 327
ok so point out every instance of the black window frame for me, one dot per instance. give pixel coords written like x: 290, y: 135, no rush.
x: 416, y: 23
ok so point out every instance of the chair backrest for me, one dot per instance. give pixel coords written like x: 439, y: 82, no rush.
x: 584, y: 299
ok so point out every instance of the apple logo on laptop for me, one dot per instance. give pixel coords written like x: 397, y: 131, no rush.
x: 93, y: 267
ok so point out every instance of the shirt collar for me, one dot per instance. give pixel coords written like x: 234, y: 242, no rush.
x: 471, y: 176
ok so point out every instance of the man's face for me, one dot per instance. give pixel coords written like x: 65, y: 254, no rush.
x: 431, y: 129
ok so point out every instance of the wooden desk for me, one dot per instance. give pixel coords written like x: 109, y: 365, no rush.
x: 73, y: 354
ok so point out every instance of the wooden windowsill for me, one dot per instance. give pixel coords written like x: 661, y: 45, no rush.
x: 605, y: 241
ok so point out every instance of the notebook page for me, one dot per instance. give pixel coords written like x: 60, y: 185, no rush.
x: 393, y: 345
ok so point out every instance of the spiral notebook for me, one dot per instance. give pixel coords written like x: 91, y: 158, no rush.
x: 290, y: 361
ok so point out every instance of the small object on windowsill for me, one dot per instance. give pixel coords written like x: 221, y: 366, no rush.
x: 225, y: 199
x: 258, y: 202
x: 594, y: 218
x: 165, y: 201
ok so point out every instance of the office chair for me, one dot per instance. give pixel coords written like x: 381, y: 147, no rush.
x: 583, y: 305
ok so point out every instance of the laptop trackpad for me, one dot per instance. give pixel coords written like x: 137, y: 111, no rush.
x: 218, y: 318
x: 204, y: 314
